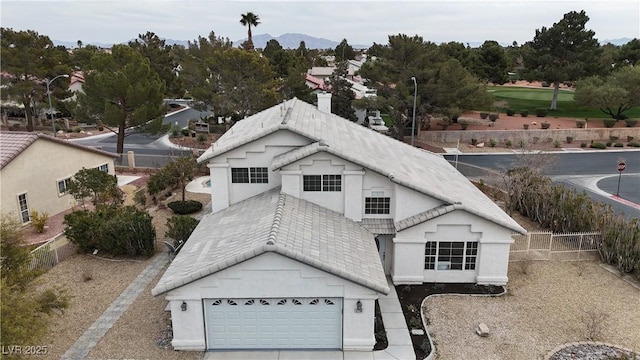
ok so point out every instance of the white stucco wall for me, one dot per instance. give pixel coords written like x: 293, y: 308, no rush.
x: 376, y: 185
x: 491, y: 262
x: 36, y: 171
x: 271, y: 275
x: 258, y: 153
x: 410, y: 202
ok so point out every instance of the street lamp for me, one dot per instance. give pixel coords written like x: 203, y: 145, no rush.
x: 415, y: 93
x: 53, y: 122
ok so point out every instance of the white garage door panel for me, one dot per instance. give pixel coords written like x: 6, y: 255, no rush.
x: 274, y: 323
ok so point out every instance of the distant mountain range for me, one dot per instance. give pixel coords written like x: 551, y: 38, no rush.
x: 292, y: 41
x: 287, y: 41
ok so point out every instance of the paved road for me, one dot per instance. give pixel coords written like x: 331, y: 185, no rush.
x: 594, y: 172
x: 150, y: 150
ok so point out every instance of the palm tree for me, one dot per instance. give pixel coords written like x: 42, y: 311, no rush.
x: 250, y: 19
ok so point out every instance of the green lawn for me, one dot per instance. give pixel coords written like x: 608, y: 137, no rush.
x: 520, y: 98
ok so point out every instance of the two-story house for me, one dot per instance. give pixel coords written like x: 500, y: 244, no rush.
x: 310, y: 213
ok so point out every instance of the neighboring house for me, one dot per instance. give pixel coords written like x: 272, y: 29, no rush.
x: 35, y: 170
x: 76, y: 82
x: 309, y: 213
x: 321, y: 72
x: 316, y: 85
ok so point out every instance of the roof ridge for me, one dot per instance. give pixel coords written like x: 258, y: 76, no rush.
x: 275, y: 226
x: 427, y: 215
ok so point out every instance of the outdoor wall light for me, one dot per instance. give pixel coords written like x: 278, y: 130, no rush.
x: 183, y: 306
x: 358, y: 306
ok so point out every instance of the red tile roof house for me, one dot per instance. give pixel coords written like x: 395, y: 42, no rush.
x: 35, y: 170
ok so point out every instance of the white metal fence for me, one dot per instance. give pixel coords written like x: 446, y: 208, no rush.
x: 51, y: 253
x: 550, y: 246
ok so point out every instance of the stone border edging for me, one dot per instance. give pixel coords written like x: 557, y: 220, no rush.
x: 432, y: 353
x: 577, y: 343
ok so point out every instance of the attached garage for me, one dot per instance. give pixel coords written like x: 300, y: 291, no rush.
x: 248, y: 280
x: 272, y: 323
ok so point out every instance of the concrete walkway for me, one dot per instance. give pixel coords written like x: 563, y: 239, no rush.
x: 86, y: 342
x: 400, y: 345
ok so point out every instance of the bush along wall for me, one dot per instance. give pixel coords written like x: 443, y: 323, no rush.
x: 565, y: 210
x: 117, y: 231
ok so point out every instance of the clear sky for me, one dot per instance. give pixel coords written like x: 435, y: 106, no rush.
x: 360, y: 22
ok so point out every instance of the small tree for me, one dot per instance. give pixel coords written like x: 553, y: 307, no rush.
x: 97, y: 184
x: 614, y: 95
x: 24, y: 310
x: 177, y: 173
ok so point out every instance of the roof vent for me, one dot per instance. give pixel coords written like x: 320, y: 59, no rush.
x: 391, y: 176
x: 322, y: 143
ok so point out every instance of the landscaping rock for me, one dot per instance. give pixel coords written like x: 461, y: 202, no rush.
x: 482, y: 330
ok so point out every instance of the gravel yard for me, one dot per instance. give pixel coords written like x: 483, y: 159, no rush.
x: 548, y: 303
x: 134, y: 335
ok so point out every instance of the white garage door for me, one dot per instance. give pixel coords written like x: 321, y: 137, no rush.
x: 291, y: 323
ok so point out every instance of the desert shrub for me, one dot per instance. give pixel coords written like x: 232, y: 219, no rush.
x: 545, y: 125
x: 618, y: 144
x: 629, y: 138
x: 633, y: 144
x: 493, y: 116
x: 185, y: 207
x: 524, y: 113
x: 76, y: 129
x: 541, y: 112
x: 415, y: 323
x: 180, y: 227
x: 596, y: 145
x: 631, y: 122
x: 609, y: 143
x: 583, y: 144
x: 185, y: 132
x: 492, y: 142
x: 140, y: 197
x: 521, y: 143
x: 545, y: 84
x: 613, y: 138
x: 569, y: 139
x: 510, y: 112
x: 175, y: 133
x: 112, y: 230
x: 474, y: 141
x: 525, y: 126
x: 201, y: 138
x: 609, y: 123
x: 508, y: 143
x: 580, y: 123
x: 39, y: 220
x: 556, y: 143
x: 484, y: 114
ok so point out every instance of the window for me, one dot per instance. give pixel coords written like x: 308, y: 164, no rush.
x: 331, y: 182
x: 240, y: 175
x: 254, y: 175
x: 24, y: 207
x: 259, y: 175
x: 377, y: 205
x: 63, y: 186
x: 104, y: 168
x: 450, y: 255
x: 312, y: 182
x: 322, y: 182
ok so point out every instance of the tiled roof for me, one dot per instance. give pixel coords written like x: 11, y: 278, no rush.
x: 280, y: 223
x: 420, y: 170
x: 13, y: 143
x: 426, y: 216
x: 379, y: 226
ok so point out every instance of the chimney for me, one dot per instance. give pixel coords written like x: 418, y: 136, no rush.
x: 324, y: 102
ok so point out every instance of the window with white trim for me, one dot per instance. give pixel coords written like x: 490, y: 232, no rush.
x: 24, y: 208
x: 104, y: 168
x: 450, y: 255
x: 377, y: 205
x: 322, y: 182
x: 63, y: 186
x: 254, y: 175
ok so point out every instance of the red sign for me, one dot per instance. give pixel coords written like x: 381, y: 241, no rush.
x: 621, y: 166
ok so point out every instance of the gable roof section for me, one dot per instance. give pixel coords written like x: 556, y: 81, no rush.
x: 280, y: 223
x: 417, y: 169
x: 426, y: 216
x: 13, y: 143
